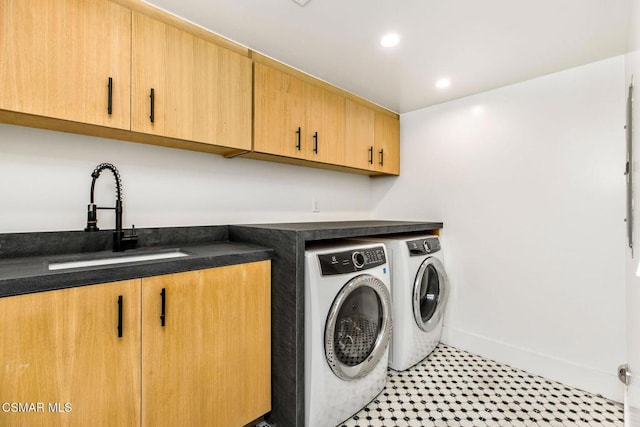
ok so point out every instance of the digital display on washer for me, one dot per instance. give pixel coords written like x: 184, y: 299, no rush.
x: 351, y: 261
x: 423, y: 246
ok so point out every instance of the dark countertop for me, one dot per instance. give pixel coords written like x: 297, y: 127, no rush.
x: 31, y: 274
x: 24, y: 257
x: 312, y: 231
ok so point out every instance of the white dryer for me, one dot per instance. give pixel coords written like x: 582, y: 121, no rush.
x: 419, y: 289
x: 347, y: 323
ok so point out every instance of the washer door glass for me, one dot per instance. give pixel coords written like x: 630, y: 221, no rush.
x: 358, y: 327
x: 429, y: 294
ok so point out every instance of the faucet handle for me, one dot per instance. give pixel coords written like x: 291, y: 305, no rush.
x: 92, y: 218
x: 123, y: 240
x: 132, y: 236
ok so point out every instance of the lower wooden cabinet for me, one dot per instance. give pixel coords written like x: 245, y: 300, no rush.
x: 62, y: 361
x: 81, y: 356
x: 206, y: 361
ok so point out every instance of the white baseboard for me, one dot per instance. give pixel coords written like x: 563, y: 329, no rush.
x: 581, y: 377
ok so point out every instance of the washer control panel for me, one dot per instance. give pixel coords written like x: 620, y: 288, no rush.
x: 424, y: 246
x: 351, y: 261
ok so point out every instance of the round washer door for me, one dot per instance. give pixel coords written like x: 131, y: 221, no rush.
x: 430, y: 294
x: 358, y: 327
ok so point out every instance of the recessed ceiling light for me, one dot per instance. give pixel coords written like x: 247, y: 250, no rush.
x: 443, y: 83
x: 390, y: 40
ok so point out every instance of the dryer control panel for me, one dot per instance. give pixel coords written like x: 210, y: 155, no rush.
x: 351, y: 261
x: 422, y: 247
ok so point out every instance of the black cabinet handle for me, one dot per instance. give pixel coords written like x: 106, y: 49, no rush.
x: 371, y: 155
x: 299, y: 137
x: 120, y: 316
x: 381, y: 163
x: 153, y: 99
x: 163, y: 294
x: 315, y: 142
x: 110, y: 96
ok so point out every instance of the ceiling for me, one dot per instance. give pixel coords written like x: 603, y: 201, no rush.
x: 478, y: 45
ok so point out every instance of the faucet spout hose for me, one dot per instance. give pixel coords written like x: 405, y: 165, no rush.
x: 96, y: 173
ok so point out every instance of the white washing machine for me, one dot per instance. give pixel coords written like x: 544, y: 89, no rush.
x: 419, y: 289
x: 347, y: 323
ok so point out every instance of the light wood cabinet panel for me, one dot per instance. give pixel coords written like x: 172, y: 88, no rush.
x: 62, y: 348
x: 268, y: 111
x: 387, y: 144
x: 279, y: 113
x: 372, y: 140
x: 58, y: 57
x: 202, y: 92
x: 359, y: 136
x: 325, y: 126
x: 210, y: 363
x: 313, y: 123
x: 296, y: 119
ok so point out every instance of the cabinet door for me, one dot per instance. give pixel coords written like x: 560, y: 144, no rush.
x: 210, y: 362
x: 279, y: 113
x: 387, y: 144
x: 201, y: 91
x: 60, y: 351
x: 58, y: 56
x: 325, y: 126
x: 359, y: 136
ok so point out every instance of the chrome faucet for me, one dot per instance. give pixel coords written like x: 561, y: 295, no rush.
x: 121, y: 241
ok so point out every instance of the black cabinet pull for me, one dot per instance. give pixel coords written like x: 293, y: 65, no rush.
x: 315, y: 142
x: 163, y: 294
x: 371, y: 155
x: 299, y: 137
x: 110, y: 96
x: 119, y: 316
x: 381, y: 163
x: 153, y: 99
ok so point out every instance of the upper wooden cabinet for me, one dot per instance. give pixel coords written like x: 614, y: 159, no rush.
x: 296, y: 119
x: 123, y: 69
x: 373, y: 140
x: 360, y: 130
x: 279, y: 113
x: 59, y: 58
x: 325, y: 126
x: 387, y: 144
x: 188, y: 88
x: 299, y: 120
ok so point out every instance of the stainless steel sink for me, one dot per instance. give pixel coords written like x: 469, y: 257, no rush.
x: 116, y: 260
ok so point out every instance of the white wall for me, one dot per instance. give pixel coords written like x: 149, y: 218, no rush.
x: 528, y: 180
x: 45, y: 179
x: 632, y: 68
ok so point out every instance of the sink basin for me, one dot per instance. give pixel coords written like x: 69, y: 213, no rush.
x: 116, y: 260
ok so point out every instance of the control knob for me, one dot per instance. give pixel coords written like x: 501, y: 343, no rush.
x: 358, y: 259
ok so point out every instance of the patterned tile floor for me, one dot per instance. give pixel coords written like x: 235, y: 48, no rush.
x: 455, y: 388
